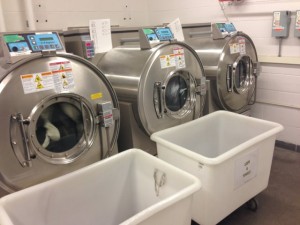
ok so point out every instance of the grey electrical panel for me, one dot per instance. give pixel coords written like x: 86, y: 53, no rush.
x: 281, y: 24
x: 297, y: 24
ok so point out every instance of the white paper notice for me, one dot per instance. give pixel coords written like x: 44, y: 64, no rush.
x: 176, y: 28
x: 246, y: 168
x: 101, y: 35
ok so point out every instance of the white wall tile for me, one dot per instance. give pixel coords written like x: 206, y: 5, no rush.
x: 279, y: 82
x: 276, y: 97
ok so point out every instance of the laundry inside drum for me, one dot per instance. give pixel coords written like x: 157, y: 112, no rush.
x: 59, y: 127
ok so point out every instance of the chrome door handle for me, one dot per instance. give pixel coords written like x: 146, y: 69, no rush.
x: 229, y: 80
x: 18, y: 121
x: 157, y: 99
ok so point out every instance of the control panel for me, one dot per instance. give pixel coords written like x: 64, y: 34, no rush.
x: 88, y: 47
x: 281, y: 24
x: 150, y: 37
x: 297, y: 24
x: 18, y: 45
x: 222, y: 30
x: 32, y: 42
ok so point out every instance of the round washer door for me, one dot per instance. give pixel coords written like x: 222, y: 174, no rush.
x: 53, y: 119
x: 168, y: 88
x: 236, y: 79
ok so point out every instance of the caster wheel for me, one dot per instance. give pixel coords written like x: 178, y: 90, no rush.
x: 252, y: 204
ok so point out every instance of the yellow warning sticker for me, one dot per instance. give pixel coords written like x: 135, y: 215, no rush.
x: 62, y: 75
x: 96, y: 95
x: 36, y: 82
x: 167, y: 61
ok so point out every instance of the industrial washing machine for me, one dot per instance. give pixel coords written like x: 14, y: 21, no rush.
x: 160, y: 83
x: 230, y: 63
x: 58, y: 111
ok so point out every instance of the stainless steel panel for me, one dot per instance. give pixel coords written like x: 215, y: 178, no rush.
x: 216, y: 55
x: 48, y: 163
x: 135, y: 73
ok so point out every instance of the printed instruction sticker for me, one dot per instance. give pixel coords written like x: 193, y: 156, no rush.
x: 234, y: 48
x: 242, y: 45
x: 37, y: 82
x: 62, y: 75
x: 179, y: 58
x: 167, y: 61
x: 246, y: 168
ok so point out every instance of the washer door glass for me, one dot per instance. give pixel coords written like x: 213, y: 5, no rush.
x: 176, y: 93
x: 179, y: 94
x: 59, y: 127
x: 242, y: 74
x: 63, y: 128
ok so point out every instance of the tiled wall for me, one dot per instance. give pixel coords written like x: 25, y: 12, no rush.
x: 278, y: 84
x: 60, y: 14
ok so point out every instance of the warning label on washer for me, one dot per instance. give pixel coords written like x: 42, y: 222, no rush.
x: 173, y: 60
x: 37, y: 82
x: 179, y: 58
x: 246, y: 168
x: 242, y: 45
x: 238, y: 47
x: 167, y: 61
x: 62, y: 75
x: 234, y: 48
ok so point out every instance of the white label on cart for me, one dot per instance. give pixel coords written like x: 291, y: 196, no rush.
x: 62, y: 75
x: 37, y: 82
x: 179, y: 58
x: 167, y: 61
x: 246, y: 168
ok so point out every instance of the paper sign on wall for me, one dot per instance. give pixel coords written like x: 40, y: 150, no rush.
x: 100, y: 33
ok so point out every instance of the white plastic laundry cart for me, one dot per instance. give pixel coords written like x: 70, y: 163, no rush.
x: 230, y: 153
x: 132, y: 187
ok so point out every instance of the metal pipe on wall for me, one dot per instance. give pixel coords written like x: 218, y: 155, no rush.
x: 30, y: 21
x: 2, y: 21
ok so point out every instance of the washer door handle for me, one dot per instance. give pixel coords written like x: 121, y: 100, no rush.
x: 157, y: 99
x: 18, y: 121
x: 229, y: 80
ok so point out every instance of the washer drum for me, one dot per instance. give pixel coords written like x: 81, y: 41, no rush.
x: 53, y: 118
x: 163, y: 84
x: 231, y: 66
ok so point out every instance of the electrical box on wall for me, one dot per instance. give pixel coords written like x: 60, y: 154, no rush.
x: 281, y: 24
x: 297, y: 24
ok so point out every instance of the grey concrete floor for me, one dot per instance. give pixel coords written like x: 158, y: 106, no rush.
x: 279, y: 204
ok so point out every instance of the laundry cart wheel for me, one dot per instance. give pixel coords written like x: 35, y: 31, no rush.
x: 252, y: 204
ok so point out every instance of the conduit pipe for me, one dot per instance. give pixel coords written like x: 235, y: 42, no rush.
x: 2, y: 21
x: 30, y: 21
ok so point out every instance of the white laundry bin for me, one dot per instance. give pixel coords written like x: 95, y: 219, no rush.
x: 117, y: 190
x: 230, y: 153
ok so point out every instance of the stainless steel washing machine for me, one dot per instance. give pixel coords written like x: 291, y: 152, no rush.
x: 58, y: 111
x: 230, y: 62
x: 159, y: 86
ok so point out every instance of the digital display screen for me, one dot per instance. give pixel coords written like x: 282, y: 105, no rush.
x: 229, y: 27
x: 164, y: 33
x: 46, y: 39
x: 226, y: 27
